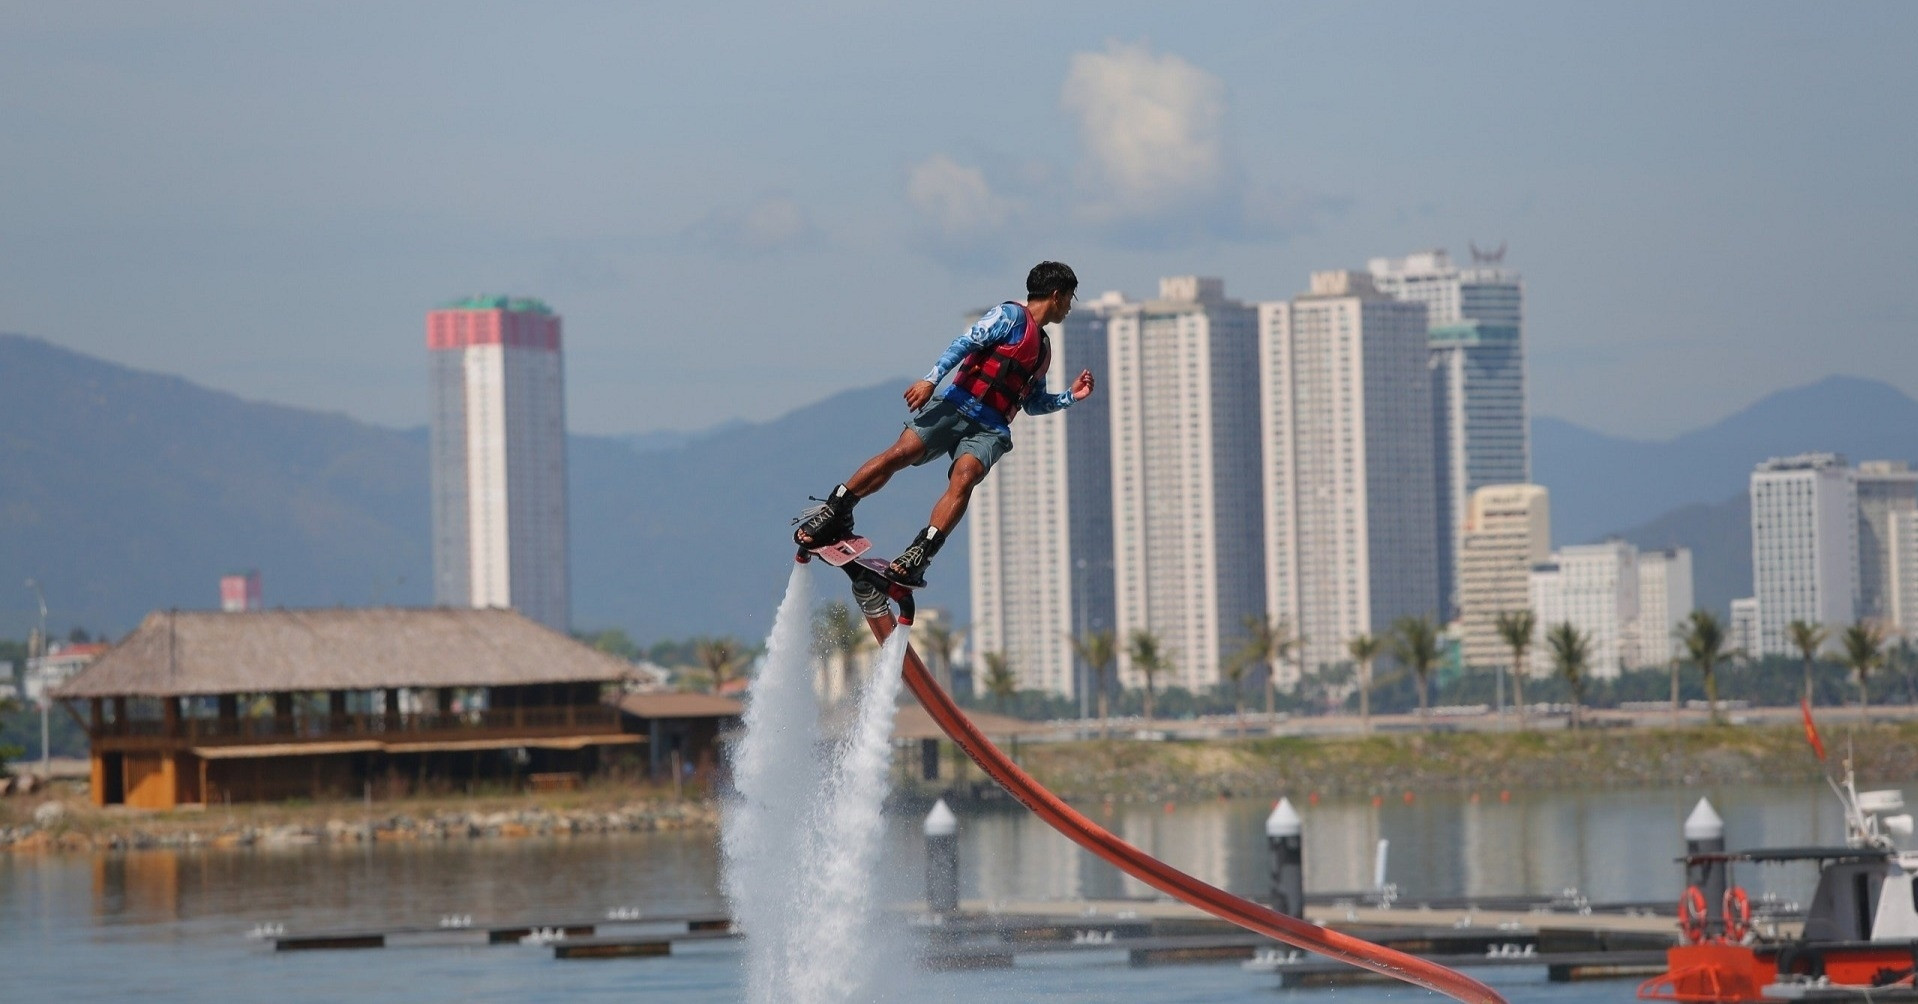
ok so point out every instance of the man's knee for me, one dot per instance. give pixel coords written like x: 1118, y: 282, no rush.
x: 967, y: 473
x: 904, y: 452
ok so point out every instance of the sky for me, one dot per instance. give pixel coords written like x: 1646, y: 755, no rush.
x: 740, y: 208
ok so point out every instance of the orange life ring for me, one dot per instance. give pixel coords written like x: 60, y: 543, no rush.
x: 1691, y: 914
x: 1738, y: 914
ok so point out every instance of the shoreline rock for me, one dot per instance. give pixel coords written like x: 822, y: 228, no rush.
x: 57, y: 827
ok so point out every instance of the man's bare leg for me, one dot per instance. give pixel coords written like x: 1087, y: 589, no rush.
x: 824, y: 525
x: 873, y: 474
x: 967, y: 472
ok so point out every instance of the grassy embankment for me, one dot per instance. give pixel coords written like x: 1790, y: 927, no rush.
x: 605, y: 807
x: 1464, y: 761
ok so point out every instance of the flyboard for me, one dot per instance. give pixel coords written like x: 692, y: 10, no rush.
x: 876, y: 592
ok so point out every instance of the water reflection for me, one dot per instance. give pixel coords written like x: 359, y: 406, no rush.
x: 151, y: 924
x: 1610, y: 845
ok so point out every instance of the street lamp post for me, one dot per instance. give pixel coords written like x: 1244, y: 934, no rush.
x: 46, y: 754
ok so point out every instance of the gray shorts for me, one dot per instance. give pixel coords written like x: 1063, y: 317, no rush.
x: 947, y: 432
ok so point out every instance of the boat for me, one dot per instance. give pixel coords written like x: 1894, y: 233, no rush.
x: 1859, y: 936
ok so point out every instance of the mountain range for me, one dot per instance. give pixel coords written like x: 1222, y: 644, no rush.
x: 123, y: 491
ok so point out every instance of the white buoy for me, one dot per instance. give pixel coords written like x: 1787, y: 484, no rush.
x: 1704, y: 823
x: 1284, y: 820
x: 940, y: 822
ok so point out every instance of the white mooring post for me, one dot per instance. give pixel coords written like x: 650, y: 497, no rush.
x: 1705, y: 834
x: 942, y: 859
x: 1284, y: 837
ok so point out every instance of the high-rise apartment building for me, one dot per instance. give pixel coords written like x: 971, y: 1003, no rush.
x: 1884, y: 487
x: 1804, y: 546
x: 1902, y: 564
x: 1508, y: 530
x: 1742, y: 636
x: 240, y: 592
x: 1664, y: 601
x: 498, y: 455
x: 1184, y: 389
x: 1594, y: 588
x: 1040, y: 528
x: 1477, y: 361
x: 1346, y: 416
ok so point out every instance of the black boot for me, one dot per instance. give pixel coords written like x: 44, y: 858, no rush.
x: 829, y: 522
x: 909, y: 569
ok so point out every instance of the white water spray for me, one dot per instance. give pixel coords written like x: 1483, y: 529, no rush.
x: 834, y: 955
x: 802, y: 837
x: 776, y: 778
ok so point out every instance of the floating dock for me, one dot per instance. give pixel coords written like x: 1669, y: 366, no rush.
x: 463, y: 932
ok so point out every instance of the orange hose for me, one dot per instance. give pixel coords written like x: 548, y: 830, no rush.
x: 1158, y: 874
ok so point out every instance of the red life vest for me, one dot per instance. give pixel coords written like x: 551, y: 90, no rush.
x: 1001, y: 378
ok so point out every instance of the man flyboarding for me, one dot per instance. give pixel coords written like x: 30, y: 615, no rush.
x: 1001, y: 366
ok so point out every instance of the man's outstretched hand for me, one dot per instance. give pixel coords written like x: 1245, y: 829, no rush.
x: 1082, y: 387
x: 918, y: 394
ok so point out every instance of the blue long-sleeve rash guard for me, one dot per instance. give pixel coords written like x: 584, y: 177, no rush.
x: 1003, y: 323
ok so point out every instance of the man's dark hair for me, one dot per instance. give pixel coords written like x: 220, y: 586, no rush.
x: 1049, y: 277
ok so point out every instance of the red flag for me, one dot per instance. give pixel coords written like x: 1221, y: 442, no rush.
x: 1811, y: 729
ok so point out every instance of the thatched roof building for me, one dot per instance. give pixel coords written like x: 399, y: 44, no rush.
x: 203, y: 707
x: 188, y: 653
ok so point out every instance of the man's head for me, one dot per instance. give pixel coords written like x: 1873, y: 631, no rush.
x: 1050, y: 287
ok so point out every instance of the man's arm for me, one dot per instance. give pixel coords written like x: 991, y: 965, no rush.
x: 994, y: 328
x: 1046, y: 404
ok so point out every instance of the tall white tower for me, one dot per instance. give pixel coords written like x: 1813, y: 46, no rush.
x: 1346, y: 417
x: 1480, y: 434
x: 1185, y: 476
x: 1804, y: 545
x: 1040, y: 528
x: 498, y: 455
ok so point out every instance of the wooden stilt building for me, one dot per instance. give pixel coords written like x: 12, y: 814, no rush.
x: 205, y: 707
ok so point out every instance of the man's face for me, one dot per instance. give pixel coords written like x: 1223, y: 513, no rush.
x: 1061, y: 301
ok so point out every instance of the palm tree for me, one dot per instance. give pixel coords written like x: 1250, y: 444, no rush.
x: 940, y: 642
x: 837, y: 635
x: 1095, y: 650
x: 1864, y: 652
x: 1415, y: 645
x: 1000, y: 682
x: 1234, y: 670
x: 1571, y: 653
x: 1269, y: 643
x: 1808, y: 637
x: 1365, y: 649
x: 1705, y: 648
x: 1148, y: 660
x: 1516, y: 629
x: 719, y: 657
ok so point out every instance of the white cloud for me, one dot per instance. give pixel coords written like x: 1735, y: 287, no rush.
x: 771, y: 223
x: 961, y: 217
x: 1152, y: 129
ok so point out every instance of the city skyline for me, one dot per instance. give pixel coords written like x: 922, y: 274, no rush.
x: 163, y: 213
